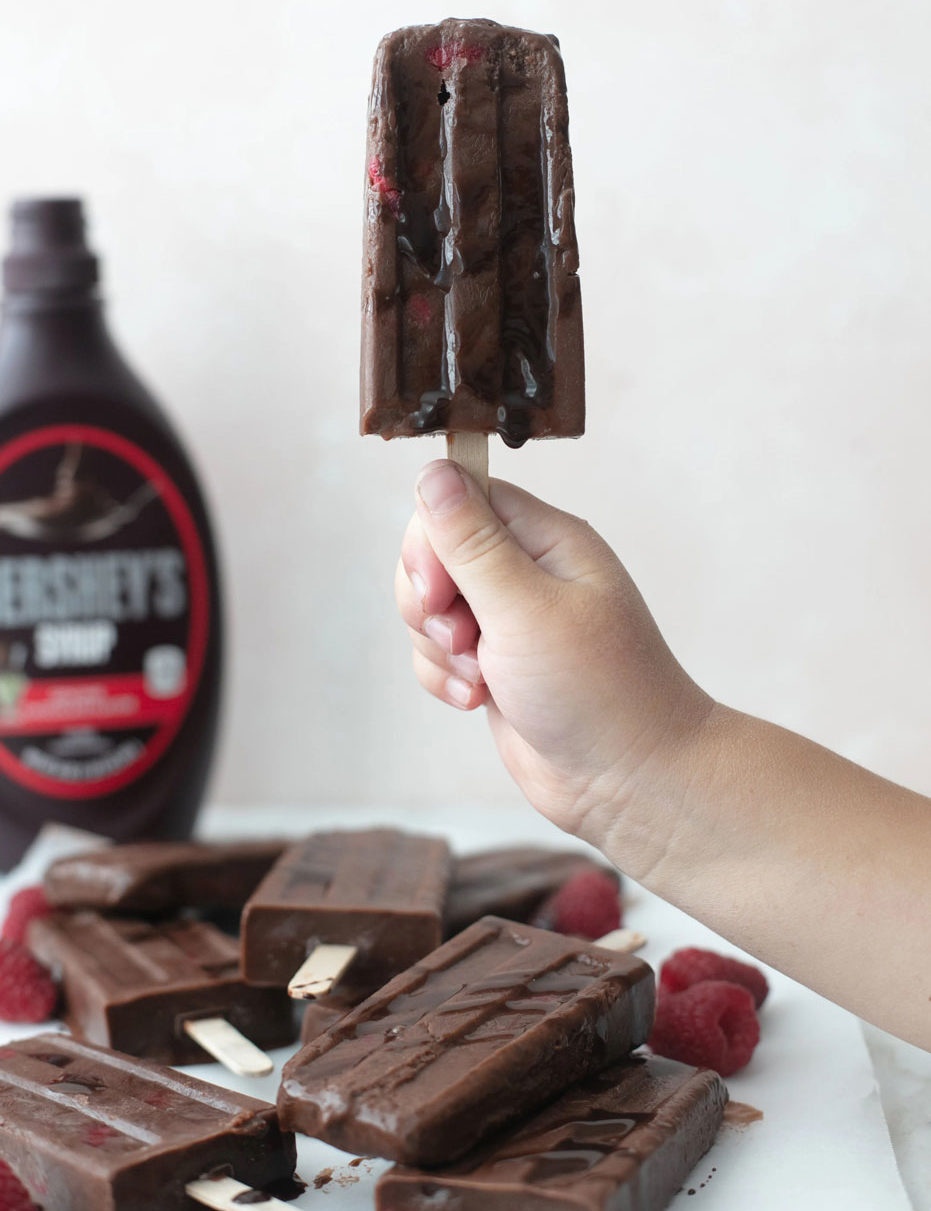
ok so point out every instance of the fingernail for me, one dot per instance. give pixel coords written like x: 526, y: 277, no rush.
x: 441, y: 488
x: 440, y: 632
x: 419, y: 586
x: 466, y: 664
x: 460, y: 691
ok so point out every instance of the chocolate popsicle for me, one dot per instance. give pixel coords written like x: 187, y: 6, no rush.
x: 471, y: 308
x: 161, y: 876
x: 510, y: 883
x: 379, y: 891
x: 321, y: 1013
x: 486, y: 1028
x: 622, y: 1140
x: 91, y: 1130
x: 133, y: 986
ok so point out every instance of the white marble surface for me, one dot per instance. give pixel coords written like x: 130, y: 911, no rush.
x: 904, y: 1076
x: 823, y: 1141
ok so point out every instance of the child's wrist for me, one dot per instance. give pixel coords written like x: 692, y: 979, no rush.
x: 657, y: 821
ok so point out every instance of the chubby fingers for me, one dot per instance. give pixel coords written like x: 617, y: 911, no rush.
x: 430, y: 581
x: 428, y: 600
x: 445, y: 658
x: 436, y: 673
x: 442, y: 628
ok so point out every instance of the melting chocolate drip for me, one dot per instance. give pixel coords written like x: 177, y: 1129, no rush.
x: 469, y: 202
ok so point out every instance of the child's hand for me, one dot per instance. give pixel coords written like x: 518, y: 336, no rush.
x: 806, y: 860
x: 525, y: 608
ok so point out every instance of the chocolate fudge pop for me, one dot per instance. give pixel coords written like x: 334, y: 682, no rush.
x: 160, y: 876
x: 624, y: 1139
x: 92, y: 1130
x: 486, y: 1028
x: 471, y: 309
x: 133, y: 986
x: 322, y: 1012
x: 510, y: 883
x: 377, y: 891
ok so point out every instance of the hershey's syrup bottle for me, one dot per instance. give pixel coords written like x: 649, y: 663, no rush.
x: 110, y: 638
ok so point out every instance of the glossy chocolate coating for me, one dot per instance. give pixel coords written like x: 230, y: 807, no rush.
x: 322, y: 1013
x: 510, y: 883
x: 159, y: 876
x: 622, y: 1140
x: 131, y: 985
x: 487, y: 1027
x: 471, y: 309
x: 92, y: 1130
x: 380, y: 890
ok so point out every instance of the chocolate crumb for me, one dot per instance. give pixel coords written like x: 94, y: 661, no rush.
x: 323, y: 1178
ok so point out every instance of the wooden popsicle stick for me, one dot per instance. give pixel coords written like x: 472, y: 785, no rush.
x: 624, y: 940
x: 221, y: 1193
x: 320, y: 971
x: 224, y: 1042
x: 470, y: 451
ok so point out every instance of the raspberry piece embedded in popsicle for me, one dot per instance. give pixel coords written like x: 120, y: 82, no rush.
x: 13, y: 1194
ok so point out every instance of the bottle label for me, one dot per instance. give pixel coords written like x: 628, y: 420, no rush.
x: 104, y: 610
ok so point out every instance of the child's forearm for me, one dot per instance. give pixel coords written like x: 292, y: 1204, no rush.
x: 777, y: 843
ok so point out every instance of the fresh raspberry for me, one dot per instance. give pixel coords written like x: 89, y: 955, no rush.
x: 712, y: 1025
x: 690, y: 966
x: 13, y: 1194
x: 27, y: 993
x: 586, y: 906
x: 25, y: 906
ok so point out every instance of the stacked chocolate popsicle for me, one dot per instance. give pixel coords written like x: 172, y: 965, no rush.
x: 156, y: 984
x: 467, y: 1061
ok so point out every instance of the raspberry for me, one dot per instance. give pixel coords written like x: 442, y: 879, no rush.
x: 687, y: 967
x: 13, y: 1194
x: 390, y: 193
x: 419, y: 309
x: 587, y: 906
x: 28, y: 903
x: 442, y: 56
x: 712, y: 1025
x: 97, y: 1134
x: 27, y: 993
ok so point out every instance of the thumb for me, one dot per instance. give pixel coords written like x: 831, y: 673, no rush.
x: 487, y: 564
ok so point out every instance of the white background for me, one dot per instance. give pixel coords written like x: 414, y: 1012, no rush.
x: 754, y: 209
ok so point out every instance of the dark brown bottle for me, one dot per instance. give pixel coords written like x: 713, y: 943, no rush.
x: 110, y: 626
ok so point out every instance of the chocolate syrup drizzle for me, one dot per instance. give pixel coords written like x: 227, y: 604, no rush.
x: 474, y: 272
